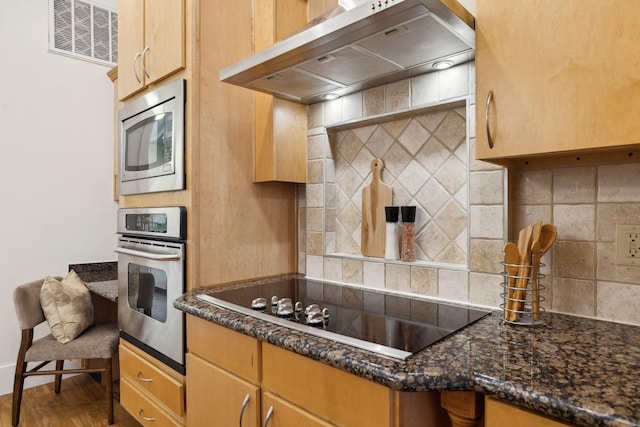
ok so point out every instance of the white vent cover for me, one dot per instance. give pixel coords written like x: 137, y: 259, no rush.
x: 83, y: 30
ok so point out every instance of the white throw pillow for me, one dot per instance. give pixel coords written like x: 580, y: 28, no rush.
x: 67, y: 306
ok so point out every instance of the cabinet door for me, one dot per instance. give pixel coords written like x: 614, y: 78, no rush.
x: 281, y: 126
x: 164, y: 34
x: 564, y: 76
x: 216, y: 397
x: 499, y: 414
x: 130, y: 46
x: 284, y: 414
x: 339, y: 397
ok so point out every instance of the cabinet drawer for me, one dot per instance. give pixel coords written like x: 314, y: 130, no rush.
x: 237, y: 353
x: 143, y: 409
x: 341, y: 398
x: 500, y: 414
x: 285, y: 414
x: 149, y: 378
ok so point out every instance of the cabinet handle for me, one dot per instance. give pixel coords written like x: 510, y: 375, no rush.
x: 486, y: 118
x: 268, y: 417
x: 141, y: 378
x: 143, y: 417
x: 144, y: 65
x: 135, y: 72
x: 244, y: 406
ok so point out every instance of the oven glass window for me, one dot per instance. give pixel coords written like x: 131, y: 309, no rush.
x: 149, y: 143
x: 147, y: 291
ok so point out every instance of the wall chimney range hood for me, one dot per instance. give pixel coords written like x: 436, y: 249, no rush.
x: 356, y: 47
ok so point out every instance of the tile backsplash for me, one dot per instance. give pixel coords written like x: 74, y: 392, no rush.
x: 585, y: 203
x: 425, y: 163
x: 420, y: 128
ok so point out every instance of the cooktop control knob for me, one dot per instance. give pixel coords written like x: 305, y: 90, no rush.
x: 284, y: 307
x: 274, y: 304
x: 312, y: 308
x: 298, y: 307
x: 259, y: 304
x: 315, y: 319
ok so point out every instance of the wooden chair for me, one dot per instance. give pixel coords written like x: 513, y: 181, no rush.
x: 99, y: 341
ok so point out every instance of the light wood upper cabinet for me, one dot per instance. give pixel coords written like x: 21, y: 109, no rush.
x: 151, y: 36
x: 281, y: 126
x: 564, y: 76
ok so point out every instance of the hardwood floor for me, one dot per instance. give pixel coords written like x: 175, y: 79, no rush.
x: 81, y: 403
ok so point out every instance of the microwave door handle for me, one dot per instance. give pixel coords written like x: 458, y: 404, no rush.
x: 148, y: 255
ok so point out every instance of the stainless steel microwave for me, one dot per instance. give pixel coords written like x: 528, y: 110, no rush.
x: 151, y: 141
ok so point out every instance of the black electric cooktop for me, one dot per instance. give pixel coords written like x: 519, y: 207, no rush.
x: 393, y: 325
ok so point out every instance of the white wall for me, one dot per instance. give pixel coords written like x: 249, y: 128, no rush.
x: 55, y: 163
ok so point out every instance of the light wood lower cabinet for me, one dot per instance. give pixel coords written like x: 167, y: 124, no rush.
x: 500, y: 414
x: 149, y: 389
x: 284, y: 414
x: 337, y: 396
x: 215, y: 394
x: 225, y: 366
x: 143, y: 409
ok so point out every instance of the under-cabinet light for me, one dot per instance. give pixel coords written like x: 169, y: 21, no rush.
x: 330, y: 96
x: 442, y: 65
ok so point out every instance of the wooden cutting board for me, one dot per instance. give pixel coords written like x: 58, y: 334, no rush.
x: 375, y: 197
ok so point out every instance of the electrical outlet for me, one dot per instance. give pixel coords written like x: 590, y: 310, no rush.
x: 628, y: 245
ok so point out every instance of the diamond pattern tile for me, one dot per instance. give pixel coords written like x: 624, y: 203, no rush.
x: 425, y: 164
x: 349, y: 146
x: 396, y: 160
x: 412, y: 177
x: 432, y: 155
x: 379, y: 142
x: 414, y: 137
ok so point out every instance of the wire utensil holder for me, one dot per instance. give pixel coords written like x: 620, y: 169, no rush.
x: 523, y: 294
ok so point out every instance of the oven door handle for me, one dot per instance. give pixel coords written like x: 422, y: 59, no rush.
x: 148, y: 255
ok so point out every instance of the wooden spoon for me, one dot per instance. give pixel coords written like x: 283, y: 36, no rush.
x: 524, y: 248
x: 548, y: 235
x: 511, y: 257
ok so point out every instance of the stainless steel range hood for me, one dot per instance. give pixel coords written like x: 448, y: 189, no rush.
x: 365, y: 46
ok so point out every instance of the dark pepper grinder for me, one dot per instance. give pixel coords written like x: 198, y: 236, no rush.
x: 408, y: 250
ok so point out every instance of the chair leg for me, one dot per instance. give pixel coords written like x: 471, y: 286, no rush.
x: 58, y: 381
x: 18, y: 386
x: 18, y: 379
x: 109, y: 386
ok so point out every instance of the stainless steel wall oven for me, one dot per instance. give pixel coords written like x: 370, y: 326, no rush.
x: 151, y: 270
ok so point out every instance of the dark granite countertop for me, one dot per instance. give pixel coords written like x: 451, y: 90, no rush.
x: 580, y: 370
x: 107, y: 289
x: 101, y: 277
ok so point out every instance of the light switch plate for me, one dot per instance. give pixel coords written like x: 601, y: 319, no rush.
x: 628, y: 245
